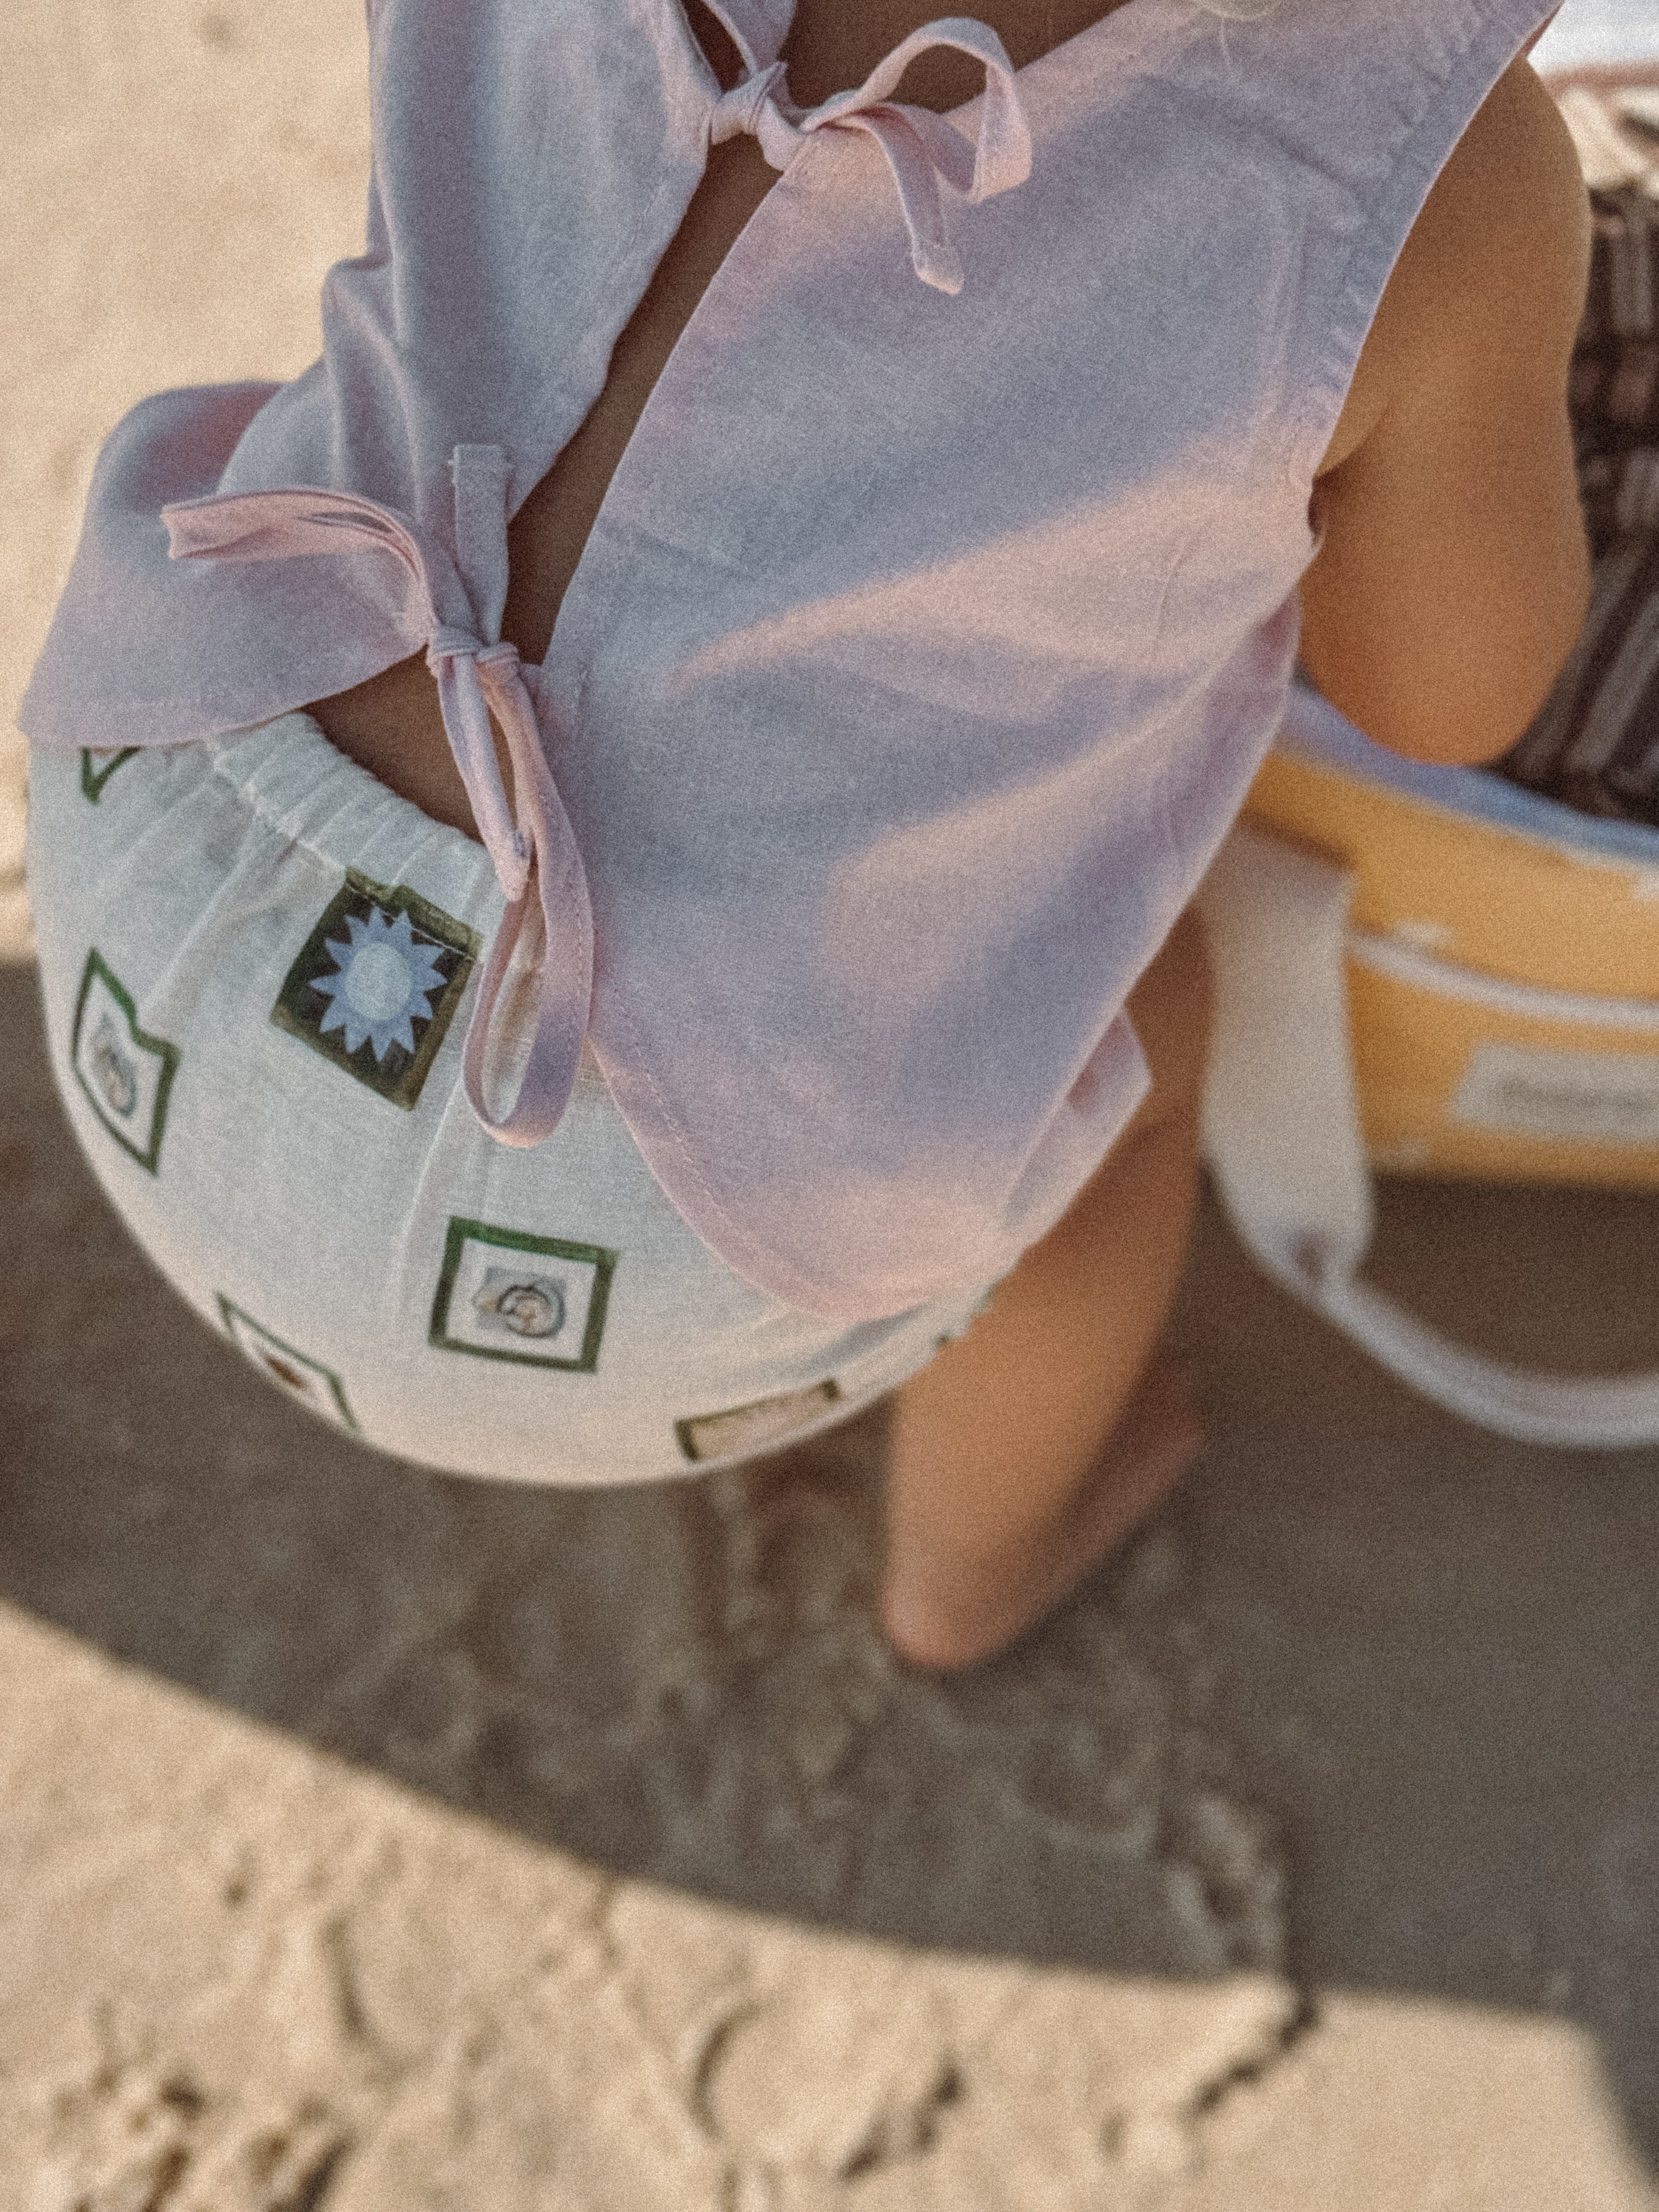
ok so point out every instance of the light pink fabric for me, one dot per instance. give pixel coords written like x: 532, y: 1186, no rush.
x: 930, y: 631
x: 459, y: 622
x: 920, y: 148
x: 477, y: 674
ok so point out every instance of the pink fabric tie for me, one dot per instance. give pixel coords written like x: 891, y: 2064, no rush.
x: 457, y: 612
x: 922, y: 149
x: 453, y: 607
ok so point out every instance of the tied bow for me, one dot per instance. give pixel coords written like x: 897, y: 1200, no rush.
x: 922, y: 149
x: 454, y: 608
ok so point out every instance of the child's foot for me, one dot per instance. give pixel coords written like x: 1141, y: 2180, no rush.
x: 949, y: 1612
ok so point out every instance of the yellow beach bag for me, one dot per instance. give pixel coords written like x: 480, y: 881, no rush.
x: 1429, y: 969
x: 1437, y: 971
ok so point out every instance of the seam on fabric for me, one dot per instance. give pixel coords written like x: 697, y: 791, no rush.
x: 1347, y: 291
x: 743, y: 1251
x: 671, y: 1122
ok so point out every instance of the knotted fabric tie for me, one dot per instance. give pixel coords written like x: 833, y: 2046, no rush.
x: 455, y: 611
x: 476, y: 680
x: 922, y: 149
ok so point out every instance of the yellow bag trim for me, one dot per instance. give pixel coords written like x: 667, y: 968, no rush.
x: 1421, y: 971
x: 1528, y: 908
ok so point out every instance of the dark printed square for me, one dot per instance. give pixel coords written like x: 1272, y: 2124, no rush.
x: 125, y: 1073
x: 98, y: 765
x: 537, y: 1300
x: 307, y: 1380
x: 764, y: 1425
x: 377, y: 983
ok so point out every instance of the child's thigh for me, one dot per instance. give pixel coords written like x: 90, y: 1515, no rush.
x: 1171, y: 1008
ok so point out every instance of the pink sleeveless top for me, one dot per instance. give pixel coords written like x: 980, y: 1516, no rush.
x: 937, y: 616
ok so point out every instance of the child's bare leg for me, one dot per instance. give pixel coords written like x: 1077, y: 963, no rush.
x: 1028, y: 1450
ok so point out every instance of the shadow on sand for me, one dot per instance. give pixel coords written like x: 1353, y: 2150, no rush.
x: 1377, y: 1700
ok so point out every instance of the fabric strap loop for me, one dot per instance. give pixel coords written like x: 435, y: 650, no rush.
x: 565, y: 991
x: 452, y: 657
x: 454, y: 609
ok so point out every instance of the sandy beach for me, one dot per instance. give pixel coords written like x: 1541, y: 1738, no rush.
x: 374, y: 1841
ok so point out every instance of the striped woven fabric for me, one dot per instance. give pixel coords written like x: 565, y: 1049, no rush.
x: 1595, y: 744
x: 1615, y: 370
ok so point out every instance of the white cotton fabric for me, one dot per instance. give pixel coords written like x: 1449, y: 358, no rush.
x: 342, y: 1240
x: 925, y: 642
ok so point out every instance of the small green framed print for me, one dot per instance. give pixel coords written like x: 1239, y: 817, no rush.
x: 377, y: 983
x: 125, y: 1073
x: 504, y: 1294
x: 295, y: 1373
x: 766, y: 1424
x: 98, y: 765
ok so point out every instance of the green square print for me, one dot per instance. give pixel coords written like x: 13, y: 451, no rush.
x: 537, y: 1300
x: 98, y: 765
x: 125, y: 1073
x: 292, y: 1372
x: 765, y: 1425
x: 377, y: 983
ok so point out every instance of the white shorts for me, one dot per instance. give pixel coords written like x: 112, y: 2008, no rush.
x: 256, y: 963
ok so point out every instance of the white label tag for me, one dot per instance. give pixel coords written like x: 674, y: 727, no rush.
x: 1596, y: 1098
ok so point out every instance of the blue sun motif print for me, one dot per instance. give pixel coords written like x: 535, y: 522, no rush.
x: 384, y: 985
x: 376, y: 984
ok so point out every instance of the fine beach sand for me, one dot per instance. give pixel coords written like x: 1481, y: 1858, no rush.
x: 373, y: 1842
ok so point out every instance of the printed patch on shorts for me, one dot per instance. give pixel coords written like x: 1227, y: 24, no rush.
x: 537, y: 1300
x: 377, y: 983
x: 98, y: 765
x: 761, y: 1426
x: 125, y: 1073
x: 307, y: 1380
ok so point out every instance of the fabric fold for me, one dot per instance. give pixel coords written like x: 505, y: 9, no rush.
x: 454, y: 610
x: 922, y: 149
